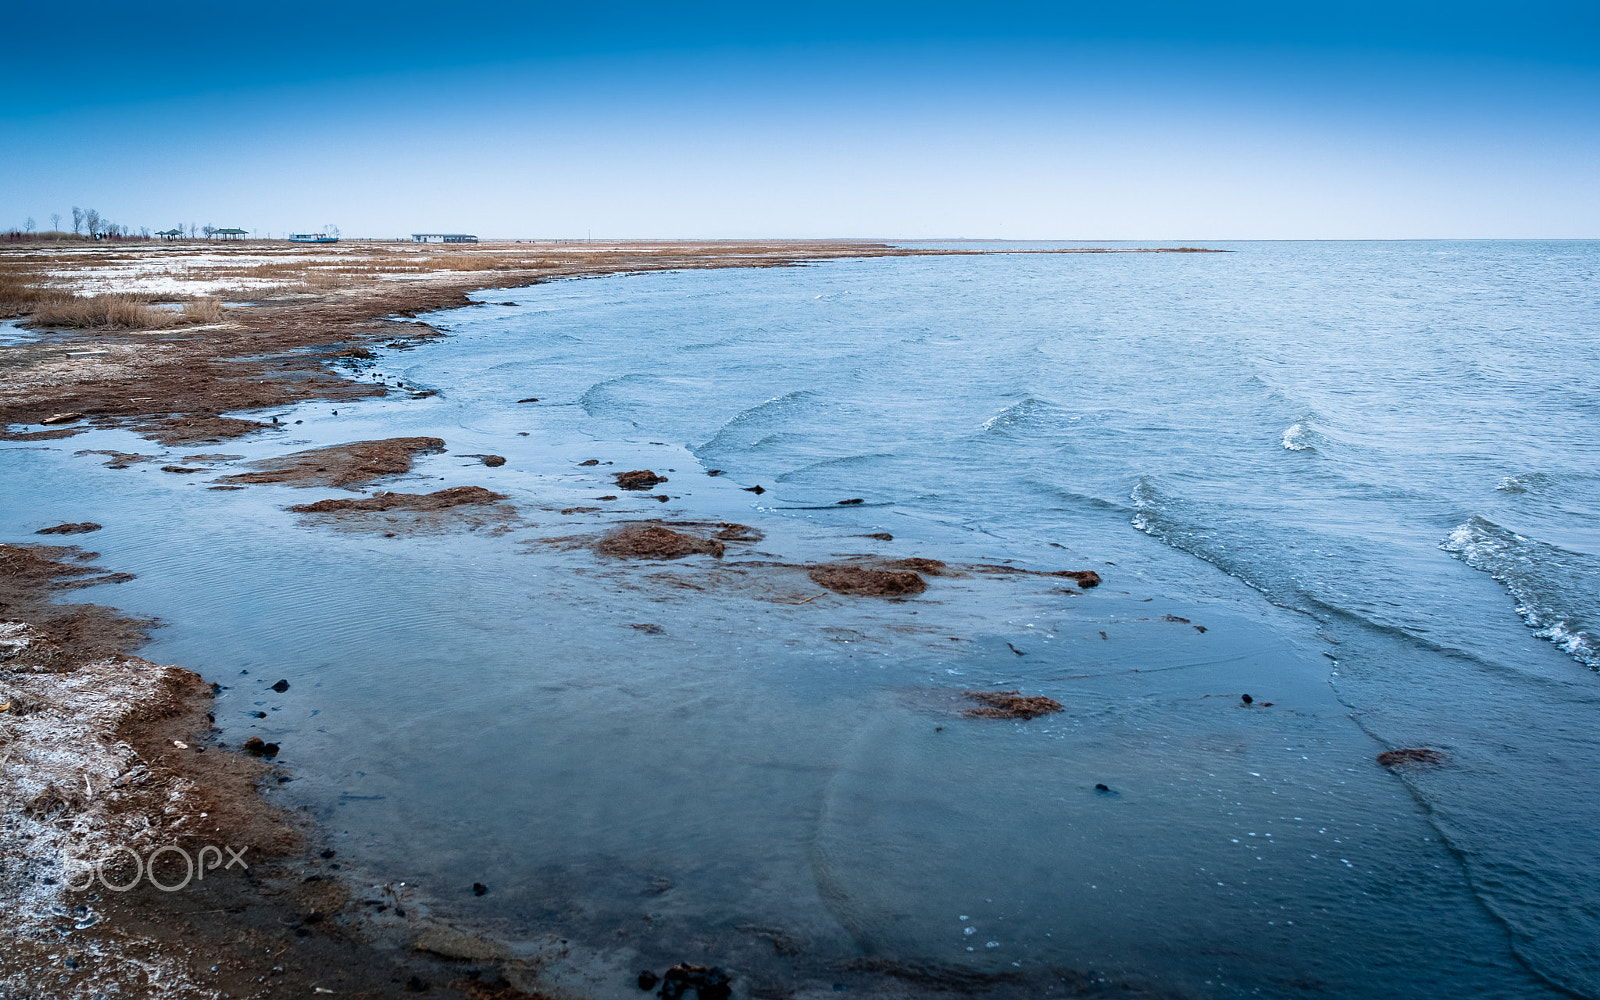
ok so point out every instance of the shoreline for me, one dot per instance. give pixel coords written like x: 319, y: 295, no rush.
x: 280, y: 928
x: 316, y: 305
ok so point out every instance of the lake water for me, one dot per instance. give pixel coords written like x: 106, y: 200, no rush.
x: 1369, y: 471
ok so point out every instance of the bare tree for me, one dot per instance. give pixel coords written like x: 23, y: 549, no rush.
x: 77, y: 220
x: 209, y: 230
x: 144, y: 232
x: 55, y: 222
x: 91, y: 220
x: 29, y: 225
x: 192, y: 230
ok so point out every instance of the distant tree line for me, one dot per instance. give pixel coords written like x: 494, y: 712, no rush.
x: 88, y: 223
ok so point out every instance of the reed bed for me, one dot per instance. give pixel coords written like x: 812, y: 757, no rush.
x: 130, y: 312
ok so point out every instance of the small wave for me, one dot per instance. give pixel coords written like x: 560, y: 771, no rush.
x: 760, y: 423
x: 1021, y: 415
x: 1299, y: 437
x: 835, y: 465
x: 1548, y: 583
x: 611, y: 397
x: 1527, y: 482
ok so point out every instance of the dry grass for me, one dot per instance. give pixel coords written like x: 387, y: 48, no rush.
x: 19, y: 291
x: 24, y: 294
x: 131, y: 312
x: 202, y: 311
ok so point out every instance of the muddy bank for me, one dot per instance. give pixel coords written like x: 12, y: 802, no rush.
x: 653, y: 541
x: 459, y: 508
x: 855, y: 580
x: 345, y: 465
x: 455, y: 496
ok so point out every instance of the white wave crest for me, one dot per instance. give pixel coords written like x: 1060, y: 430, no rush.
x: 1298, y: 437
x: 1553, y: 587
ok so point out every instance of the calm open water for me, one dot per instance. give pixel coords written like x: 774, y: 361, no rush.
x: 1369, y: 470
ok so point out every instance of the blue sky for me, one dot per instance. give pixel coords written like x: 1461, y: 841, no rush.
x: 1093, y: 121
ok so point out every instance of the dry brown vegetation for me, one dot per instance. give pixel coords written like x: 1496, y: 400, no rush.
x: 1010, y: 705
x: 27, y: 293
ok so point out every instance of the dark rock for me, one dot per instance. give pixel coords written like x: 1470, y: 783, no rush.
x: 707, y: 983
x: 731, y: 532
x: 649, y: 628
x: 592, y: 461
x: 713, y: 472
x: 757, y: 489
x: 180, y: 469
x: 1246, y: 699
x: 327, y: 853
x: 648, y: 980
x: 479, y: 889
x: 255, y: 746
x: 1411, y: 756
x: 534, y: 399
x: 608, y: 496
x: 416, y: 984
x: 882, y: 536
x: 77, y: 528
x: 1101, y: 788
x: 1084, y: 578
x: 661, y: 497
x: 847, y: 503
x: 281, y: 687
x: 638, y: 479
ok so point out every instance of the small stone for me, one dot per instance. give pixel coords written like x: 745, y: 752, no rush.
x: 757, y: 489
x: 255, y: 746
x: 479, y: 889
x: 283, y: 686
x: 648, y: 980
